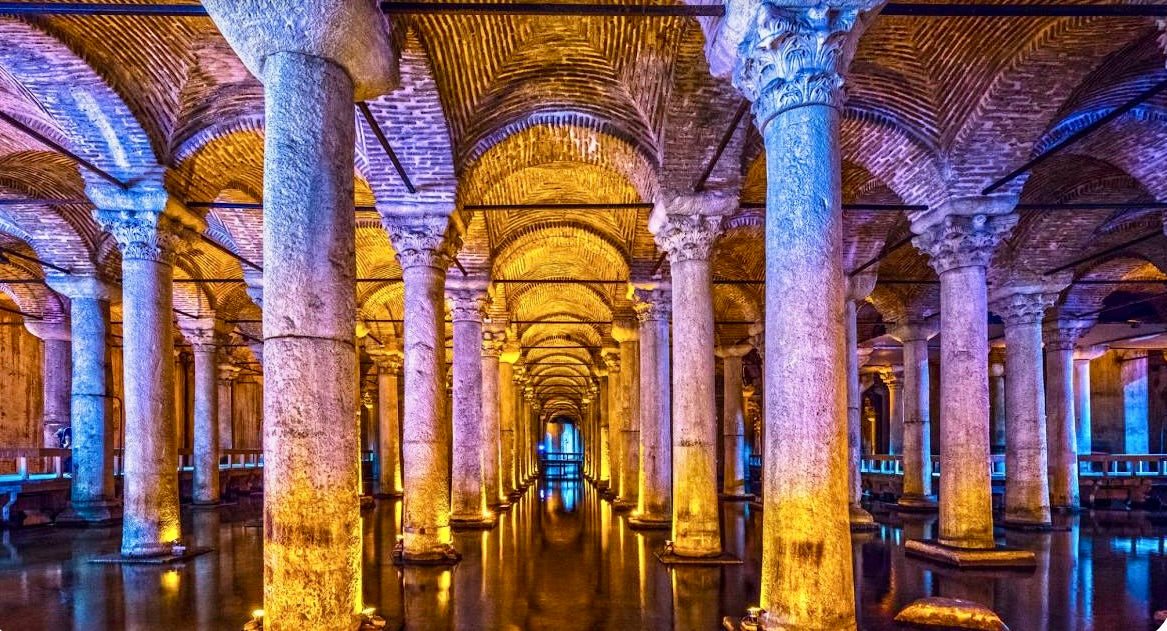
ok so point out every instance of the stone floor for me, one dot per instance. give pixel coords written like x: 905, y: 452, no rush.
x: 562, y: 560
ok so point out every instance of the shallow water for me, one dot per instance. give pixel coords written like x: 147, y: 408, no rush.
x: 561, y: 559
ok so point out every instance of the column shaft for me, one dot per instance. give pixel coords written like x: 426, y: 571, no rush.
x: 468, y: 497
x: 389, y: 478
x: 1061, y: 424
x: 605, y: 478
x: 57, y: 387
x: 630, y: 421
x: 696, y: 527
x: 917, y: 453
x: 506, y: 376
x: 1082, y: 405
x: 1026, y: 470
x: 733, y: 473
x: 491, y: 423
x: 616, y: 422
x: 312, y: 475
x: 654, y: 504
x: 92, y: 489
x: 206, y: 425
x: 226, y: 401
x: 966, y: 505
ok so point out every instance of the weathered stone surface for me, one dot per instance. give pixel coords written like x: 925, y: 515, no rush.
x: 654, y: 499
x: 950, y: 613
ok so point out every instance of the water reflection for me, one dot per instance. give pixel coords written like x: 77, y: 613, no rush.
x: 567, y: 562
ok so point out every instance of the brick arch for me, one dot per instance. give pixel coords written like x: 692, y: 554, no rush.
x: 1081, y: 299
x: 894, y: 155
x: 31, y: 298
x: 535, y: 301
x: 555, y: 250
x: 83, y: 110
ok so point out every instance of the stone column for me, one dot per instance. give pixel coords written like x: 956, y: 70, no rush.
x: 917, y: 452
x: 733, y: 429
x: 654, y: 502
x: 997, y: 400
x: 389, y: 476
x: 92, y: 498
x: 789, y: 62
x: 1022, y: 306
x: 147, y: 225
x: 314, y: 62
x: 467, y: 300
x: 202, y: 336
x: 858, y: 288
x: 593, y: 441
x: 605, y: 412
x: 226, y: 399
x: 615, y: 419
x: 424, y: 253
x: 506, y: 379
x: 56, y: 377
x: 1132, y: 370
x: 959, y: 236
x: 1082, y: 359
x: 895, y: 402
x: 626, y: 334
x: 1061, y: 421
x: 685, y: 227
x: 492, y: 343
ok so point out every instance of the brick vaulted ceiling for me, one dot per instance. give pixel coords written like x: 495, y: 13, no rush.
x: 530, y: 110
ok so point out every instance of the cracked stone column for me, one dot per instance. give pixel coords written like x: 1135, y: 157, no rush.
x: 92, y: 496
x: 735, y: 458
x: 314, y: 62
x: 425, y: 252
x: 1061, y: 421
x: 56, y: 376
x: 1022, y: 305
x: 626, y: 334
x: 959, y: 237
x: 1082, y: 359
x: 389, y: 477
x: 997, y: 399
x: 226, y: 399
x: 492, y: 343
x: 859, y: 287
x: 148, y: 226
x: 685, y: 227
x: 917, y: 452
x: 615, y: 418
x: 654, y: 500
x: 511, y: 352
x: 467, y: 300
x: 789, y: 61
x: 204, y: 342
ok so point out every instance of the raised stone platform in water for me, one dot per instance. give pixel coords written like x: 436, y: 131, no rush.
x: 950, y: 613
x: 999, y: 557
x: 166, y: 559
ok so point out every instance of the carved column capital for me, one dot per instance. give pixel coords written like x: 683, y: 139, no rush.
x: 625, y: 330
x: 964, y: 233
x: 1063, y: 334
x: 686, y: 225
x: 1017, y: 308
x: 653, y: 300
x: 203, y: 334
x: 147, y: 223
x: 82, y: 287
x: 426, y: 240
x: 467, y: 299
x: 795, y: 56
x: 611, y: 357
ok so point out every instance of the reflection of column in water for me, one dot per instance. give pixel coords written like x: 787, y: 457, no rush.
x: 205, y: 524
x: 90, y: 599
x: 735, y: 528
x: 148, y: 591
x: 427, y: 598
x: 977, y: 588
x: 1024, y: 599
x: 695, y: 592
x: 1064, y: 575
x: 468, y: 581
x: 913, y: 581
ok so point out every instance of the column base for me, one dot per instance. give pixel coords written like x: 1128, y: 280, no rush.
x: 207, y: 505
x: 860, y: 518
x: 649, y: 522
x: 443, y: 557
x: 917, y: 504
x: 366, y: 502
x: 90, y: 514
x: 175, y: 554
x: 621, y: 505
x: 999, y: 557
x: 949, y: 613
x: 1069, y: 510
x: 471, y: 522
x: 736, y: 497
x: 1027, y: 526
x: 515, y: 495
x: 501, y: 506
x: 668, y: 557
x: 389, y: 496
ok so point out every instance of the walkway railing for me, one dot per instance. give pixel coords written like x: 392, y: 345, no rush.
x: 561, y: 465
x: 1093, y: 465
